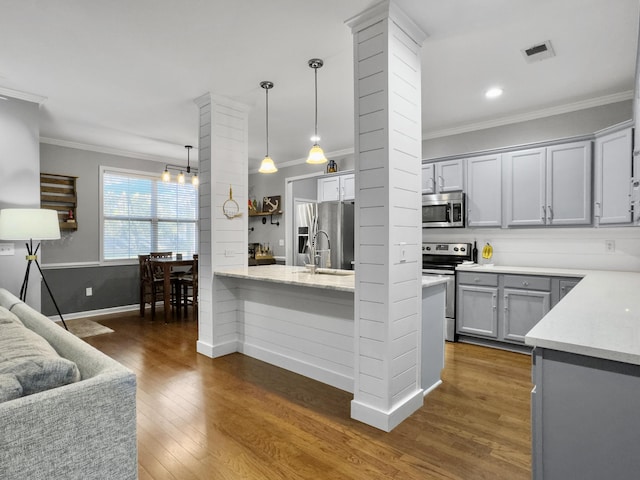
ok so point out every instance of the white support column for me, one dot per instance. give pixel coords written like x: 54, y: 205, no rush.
x: 388, y: 151
x: 223, y: 163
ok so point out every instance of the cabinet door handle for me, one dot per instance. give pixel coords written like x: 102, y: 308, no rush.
x: 493, y: 301
x: 525, y: 284
x: 598, y: 212
x: 440, y: 181
x: 544, y: 214
x: 550, y: 213
x: 506, y: 302
x: 476, y: 279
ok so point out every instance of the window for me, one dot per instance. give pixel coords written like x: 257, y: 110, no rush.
x: 142, y: 214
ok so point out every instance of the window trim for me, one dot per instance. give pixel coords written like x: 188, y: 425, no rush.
x: 134, y: 173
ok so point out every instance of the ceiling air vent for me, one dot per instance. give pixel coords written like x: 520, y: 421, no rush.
x: 538, y: 52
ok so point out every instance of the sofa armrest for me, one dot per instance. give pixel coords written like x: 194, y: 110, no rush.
x: 82, y: 431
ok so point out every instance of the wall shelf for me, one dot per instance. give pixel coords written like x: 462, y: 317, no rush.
x: 58, y: 192
x: 264, y: 216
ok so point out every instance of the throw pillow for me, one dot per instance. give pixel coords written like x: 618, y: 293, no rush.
x: 33, y: 362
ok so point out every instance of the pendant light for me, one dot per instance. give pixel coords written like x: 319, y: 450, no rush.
x: 316, y: 155
x: 166, y: 176
x: 267, y: 165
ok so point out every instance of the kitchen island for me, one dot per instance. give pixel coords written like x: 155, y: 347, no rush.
x: 586, y: 372
x: 304, y: 322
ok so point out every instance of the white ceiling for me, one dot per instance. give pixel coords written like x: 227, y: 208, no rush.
x: 121, y: 75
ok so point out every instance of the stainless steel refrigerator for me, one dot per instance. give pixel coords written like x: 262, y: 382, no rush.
x: 335, y: 249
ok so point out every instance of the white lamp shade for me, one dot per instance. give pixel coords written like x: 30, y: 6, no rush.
x: 29, y: 224
x: 316, y: 155
x: 267, y: 166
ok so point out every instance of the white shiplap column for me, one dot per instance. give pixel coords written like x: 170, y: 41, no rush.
x: 223, y: 162
x: 388, y: 149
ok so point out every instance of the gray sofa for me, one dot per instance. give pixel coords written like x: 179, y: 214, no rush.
x: 82, y: 430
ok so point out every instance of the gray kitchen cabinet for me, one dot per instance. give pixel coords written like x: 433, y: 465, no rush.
x: 585, y: 420
x: 428, y: 178
x: 612, y: 178
x: 522, y: 309
x: 560, y: 286
x: 477, y: 308
x: 501, y: 308
x: 444, y: 176
x: 483, y: 189
x: 548, y: 186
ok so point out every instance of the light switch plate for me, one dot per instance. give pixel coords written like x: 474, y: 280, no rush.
x: 7, y: 249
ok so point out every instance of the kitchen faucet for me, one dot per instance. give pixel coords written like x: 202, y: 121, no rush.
x: 314, y: 254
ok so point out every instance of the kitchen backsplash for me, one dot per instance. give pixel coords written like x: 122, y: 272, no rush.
x: 549, y: 247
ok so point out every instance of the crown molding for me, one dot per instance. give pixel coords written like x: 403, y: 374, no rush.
x: 534, y: 115
x: 17, y: 94
x: 107, y: 150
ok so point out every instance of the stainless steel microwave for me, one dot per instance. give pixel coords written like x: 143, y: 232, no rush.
x: 443, y: 210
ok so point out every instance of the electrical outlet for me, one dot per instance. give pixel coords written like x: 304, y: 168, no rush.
x: 610, y: 246
x: 89, y: 291
x: 7, y: 249
x: 281, y: 242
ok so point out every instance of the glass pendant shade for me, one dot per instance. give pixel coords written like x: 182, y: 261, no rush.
x: 166, y: 176
x: 181, y: 177
x: 316, y: 155
x: 195, y: 181
x: 267, y: 165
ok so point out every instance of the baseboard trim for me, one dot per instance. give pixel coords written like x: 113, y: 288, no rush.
x: 215, y: 351
x: 95, y: 313
x: 335, y: 379
x: 388, y: 420
x: 431, y: 388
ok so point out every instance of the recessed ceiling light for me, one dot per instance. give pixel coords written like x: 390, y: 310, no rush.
x: 493, y: 92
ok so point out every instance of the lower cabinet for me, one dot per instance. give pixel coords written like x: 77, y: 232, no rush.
x: 502, y: 307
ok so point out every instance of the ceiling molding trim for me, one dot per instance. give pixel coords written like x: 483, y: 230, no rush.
x: 107, y: 150
x: 17, y: 94
x: 534, y: 115
x: 300, y: 161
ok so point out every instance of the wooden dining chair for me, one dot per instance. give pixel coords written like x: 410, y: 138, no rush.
x: 151, y: 287
x: 189, y: 284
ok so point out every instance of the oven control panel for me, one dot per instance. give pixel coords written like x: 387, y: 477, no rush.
x: 450, y: 249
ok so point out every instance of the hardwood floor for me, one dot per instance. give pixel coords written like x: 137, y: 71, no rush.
x: 235, y: 417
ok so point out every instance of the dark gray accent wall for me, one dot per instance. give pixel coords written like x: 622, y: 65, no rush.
x: 113, y: 286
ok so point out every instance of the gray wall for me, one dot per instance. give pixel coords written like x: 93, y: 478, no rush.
x: 263, y: 185
x: 113, y: 285
x: 83, y: 245
x: 581, y: 122
x: 19, y: 184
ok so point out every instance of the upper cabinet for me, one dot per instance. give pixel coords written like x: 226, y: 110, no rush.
x: 548, y: 186
x: 612, y: 178
x: 336, y: 188
x: 483, y: 189
x: 442, y: 177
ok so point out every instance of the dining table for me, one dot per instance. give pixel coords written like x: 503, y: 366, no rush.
x: 168, y: 264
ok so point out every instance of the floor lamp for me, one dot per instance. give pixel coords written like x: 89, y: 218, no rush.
x: 31, y: 224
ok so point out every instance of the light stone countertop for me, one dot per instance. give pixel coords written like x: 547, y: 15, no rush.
x: 300, y: 276
x: 550, y: 272
x: 599, y: 318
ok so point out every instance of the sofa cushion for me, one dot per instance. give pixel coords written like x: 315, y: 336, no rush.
x: 34, y: 363
x: 10, y: 387
x: 8, y: 317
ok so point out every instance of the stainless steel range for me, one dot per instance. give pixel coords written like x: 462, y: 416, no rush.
x: 441, y: 259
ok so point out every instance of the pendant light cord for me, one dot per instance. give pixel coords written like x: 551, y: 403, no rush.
x: 315, y: 70
x: 267, y: 119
